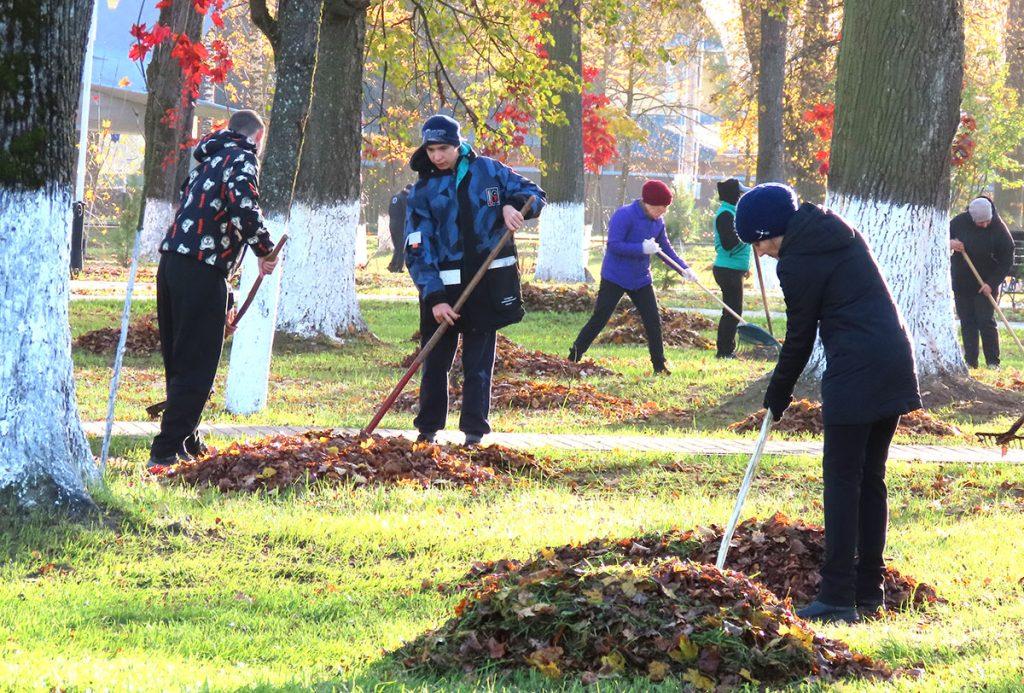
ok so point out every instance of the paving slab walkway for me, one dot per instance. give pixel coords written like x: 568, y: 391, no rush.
x: 604, y: 442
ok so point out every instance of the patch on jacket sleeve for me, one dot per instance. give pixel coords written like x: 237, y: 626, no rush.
x: 493, y: 196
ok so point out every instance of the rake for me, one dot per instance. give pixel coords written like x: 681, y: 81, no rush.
x: 748, y: 332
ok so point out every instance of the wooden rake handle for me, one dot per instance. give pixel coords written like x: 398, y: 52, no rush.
x: 256, y: 284
x: 992, y: 300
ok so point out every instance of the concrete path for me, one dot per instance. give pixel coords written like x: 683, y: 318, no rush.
x: 604, y: 443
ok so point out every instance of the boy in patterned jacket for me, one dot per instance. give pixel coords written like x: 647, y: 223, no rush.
x: 218, y: 216
x: 457, y: 212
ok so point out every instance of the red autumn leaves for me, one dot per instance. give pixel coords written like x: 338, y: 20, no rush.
x: 197, y: 61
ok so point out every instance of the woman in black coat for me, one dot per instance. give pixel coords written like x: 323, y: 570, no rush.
x: 832, y: 284
x: 980, y: 233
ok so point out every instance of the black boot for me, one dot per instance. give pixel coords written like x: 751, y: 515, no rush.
x: 826, y: 613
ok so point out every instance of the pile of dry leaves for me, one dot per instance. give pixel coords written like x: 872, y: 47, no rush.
x: 677, y: 328
x: 804, y: 416
x: 511, y: 358
x: 782, y: 554
x: 541, y: 396
x: 557, y: 299
x: 282, y: 461
x: 712, y: 630
x: 143, y: 338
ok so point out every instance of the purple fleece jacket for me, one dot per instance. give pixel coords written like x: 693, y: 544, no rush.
x: 625, y: 263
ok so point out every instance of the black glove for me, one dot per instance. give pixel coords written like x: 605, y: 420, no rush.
x: 776, y: 403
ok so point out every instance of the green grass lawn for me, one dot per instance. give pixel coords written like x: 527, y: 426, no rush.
x: 327, y: 385
x: 182, y: 589
x: 193, y: 590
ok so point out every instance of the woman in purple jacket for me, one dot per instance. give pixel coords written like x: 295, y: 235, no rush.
x: 635, y: 232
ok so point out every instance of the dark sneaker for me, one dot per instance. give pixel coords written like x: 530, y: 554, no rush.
x: 662, y: 370
x: 725, y: 356
x: 425, y: 437
x: 473, y: 440
x: 870, y: 609
x: 159, y: 465
x: 826, y: 613
x: 992, y: 366
x: 196, y: 449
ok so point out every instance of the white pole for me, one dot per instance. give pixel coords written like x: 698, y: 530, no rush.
x: 83, y: 106
x: 119, y: 354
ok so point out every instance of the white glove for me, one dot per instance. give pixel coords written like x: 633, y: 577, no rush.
x: 650, y: 246
x: 689, y: 275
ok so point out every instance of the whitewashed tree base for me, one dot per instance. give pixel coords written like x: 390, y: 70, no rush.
x: 157, y: 218
x: 45, y: 460
x: 770, y: 271
x: 911, y: 245
x: 318, y: 284
x: 564, y: 242
x: 253, y: 342
x: 361, y: 251
x: 384, y: 244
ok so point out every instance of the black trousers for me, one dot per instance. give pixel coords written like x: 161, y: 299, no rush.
x: 191, y: 306
x: 856, y: 512
x: 477, y: 368
x: 977, y: 316
x: 608, y: 295
x: 397, y: 263
x: 730, y: 281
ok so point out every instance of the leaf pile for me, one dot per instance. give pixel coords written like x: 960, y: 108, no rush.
x: 281, y: 461
x: 711, y: 629
x: 143, y: 338
x: 804, y: 416
x: 558, y: 299
x: 677, y: 328
x: 511, y: 358
x: 541, y: 396
x: 782, y: 554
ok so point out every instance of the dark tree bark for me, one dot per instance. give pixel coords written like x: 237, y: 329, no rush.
x: 562, y: 234
x: 294, y: 35
x: 44, y: 456
x: 318, y: 295
x: 771, y: 78
x: 897, y: 109
x: 1011, y: 201
x: 166, y: 162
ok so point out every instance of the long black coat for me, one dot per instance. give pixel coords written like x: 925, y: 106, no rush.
x: 831, y: 282
x: 990, y: 248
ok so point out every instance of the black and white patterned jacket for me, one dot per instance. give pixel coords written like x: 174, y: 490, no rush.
x: 219, y: 208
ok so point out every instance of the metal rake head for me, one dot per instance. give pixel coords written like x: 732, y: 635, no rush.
x: 1006, y: 438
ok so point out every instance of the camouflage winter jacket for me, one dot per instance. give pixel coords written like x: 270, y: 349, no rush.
x: 454, y: 219
x: 219, y: 207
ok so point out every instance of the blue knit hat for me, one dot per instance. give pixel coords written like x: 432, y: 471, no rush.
x: 441, y: 129
x: 765, y: 211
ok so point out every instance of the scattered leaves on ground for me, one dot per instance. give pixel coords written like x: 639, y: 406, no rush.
x: 714, y: 630
x: 511, y: 358
x: 143, y: 338
x: 804, y: 416
x: 281, y: 461
x: 558, y: 299
x: 782, y: 554
x: 678, y: 329
x: 536, y: 395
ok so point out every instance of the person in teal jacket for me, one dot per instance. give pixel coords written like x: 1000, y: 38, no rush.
x: 732, y: 264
